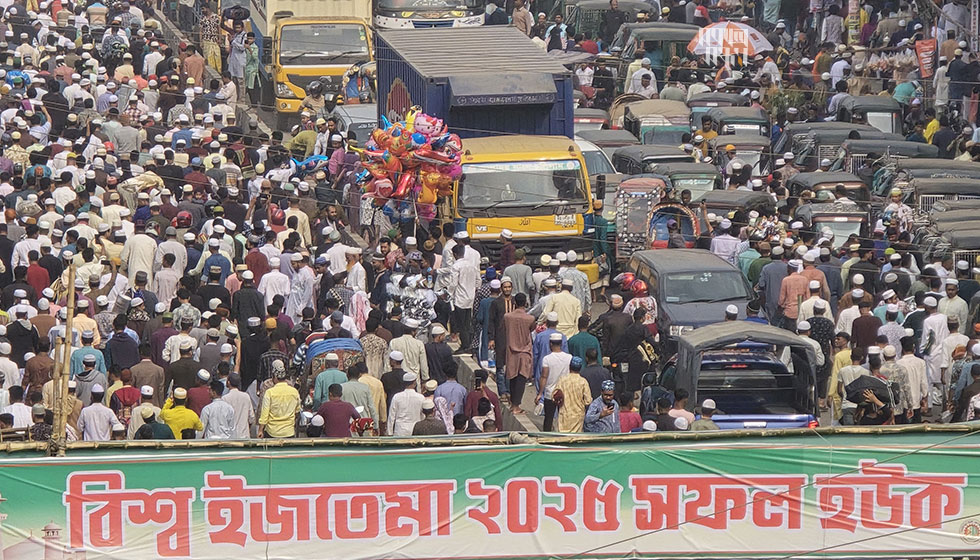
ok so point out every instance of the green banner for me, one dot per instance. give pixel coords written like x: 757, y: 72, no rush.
x: 874, y: 495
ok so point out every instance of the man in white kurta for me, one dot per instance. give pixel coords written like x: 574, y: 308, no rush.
x: 301, y: 292
x: 934, y: 333
x: 137, y: 255
x: 274, y: 283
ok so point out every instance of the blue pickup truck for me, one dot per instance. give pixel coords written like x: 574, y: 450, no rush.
x: 751, y: 386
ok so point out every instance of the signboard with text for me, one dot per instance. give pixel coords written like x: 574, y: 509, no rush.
x: 867, y: 496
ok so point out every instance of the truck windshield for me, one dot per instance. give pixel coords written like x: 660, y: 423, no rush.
x: 704, y: 287
x: 323, y: 43
x: 431, y: 5
x: 744, y: 389
x: 529, y: 187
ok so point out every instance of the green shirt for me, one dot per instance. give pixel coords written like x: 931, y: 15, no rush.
x: 323, y: 382
x: 579, y: 343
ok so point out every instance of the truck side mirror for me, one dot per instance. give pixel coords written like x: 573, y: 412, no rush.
x: 265, y: 53
x: 600, y: 187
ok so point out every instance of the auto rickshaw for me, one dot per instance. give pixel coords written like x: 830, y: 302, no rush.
x: 660, y: 42
x: 853, y: 155
x: 883, y: 113
x: 608, y: 138
x: 586, y: 16
x: 902, y: 173
x: 820, y: 181
x: 690, y: 224
x: 347, y: 349
x: 925, y: 192
x: 617, y: 110
x: 794, y: 135
x: 818, y: 145
x: 750, y: 149
x: 590, y: 119
x: 962, y: 242
x: 657, y: 121
x: 634, y: 160
x: 698, y: 178
x: 749, y: 120
x: 704, y: 102
x: 843, y: 220
x: 725, y: 203
x: 635, y: 198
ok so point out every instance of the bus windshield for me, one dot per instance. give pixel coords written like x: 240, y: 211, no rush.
x: 522, y: 188
x: 323, y: 43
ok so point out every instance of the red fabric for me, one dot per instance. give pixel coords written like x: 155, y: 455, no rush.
x: 37, y: 277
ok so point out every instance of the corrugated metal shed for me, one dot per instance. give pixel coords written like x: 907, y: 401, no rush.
x: 479, y: 50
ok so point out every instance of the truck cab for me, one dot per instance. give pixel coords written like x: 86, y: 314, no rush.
x: 302, y: 43
x: 535, y: 186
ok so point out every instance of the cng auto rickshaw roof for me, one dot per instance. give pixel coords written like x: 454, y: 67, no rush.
x: 946, y: 185
x: 814, y: 178
x: 664, y: 31
x: 943, y: 206
x: 894, y: 144
x: 953, y: 216
x: 937, y: 163
x: 643, y: 182
x: 963, y: 238
x: 684, y: 168
x: 738, y: 113
x: 804, y: 127
x: 739, y: 139
x: 840, y: 135
x: 641, y: 151
x: 591, y: 113
x: 733, y: 99
x: 606, y: 136
x: 665, y: 107
x: 736, y: 199
x: 869, y: 103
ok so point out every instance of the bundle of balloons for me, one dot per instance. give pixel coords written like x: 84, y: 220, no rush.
x: 415, y: 159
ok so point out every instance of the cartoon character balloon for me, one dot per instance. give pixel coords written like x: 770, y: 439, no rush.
x: 415, y: 159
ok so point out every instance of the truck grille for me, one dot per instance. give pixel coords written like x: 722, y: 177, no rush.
x: 437, y: 23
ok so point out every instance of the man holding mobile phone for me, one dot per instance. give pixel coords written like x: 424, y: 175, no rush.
x: 602, y: 416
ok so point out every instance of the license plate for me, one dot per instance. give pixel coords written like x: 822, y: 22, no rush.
x: 754, y: 424
x: 565, y: 220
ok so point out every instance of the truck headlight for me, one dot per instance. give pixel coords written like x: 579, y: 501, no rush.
x: 283, y: 90
x: 677, y: 330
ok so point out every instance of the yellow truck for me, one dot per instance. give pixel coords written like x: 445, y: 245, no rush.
x: 307, y: 41
x: 535, y: 186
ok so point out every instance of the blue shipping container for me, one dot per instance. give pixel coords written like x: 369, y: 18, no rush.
x: 480, y: 80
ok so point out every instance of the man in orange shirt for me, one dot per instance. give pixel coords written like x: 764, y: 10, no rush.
x: 792, y: 291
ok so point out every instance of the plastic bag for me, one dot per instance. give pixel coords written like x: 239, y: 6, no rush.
x: 539, y: 408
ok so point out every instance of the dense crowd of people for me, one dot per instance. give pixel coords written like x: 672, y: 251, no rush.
x: 206, y: 262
